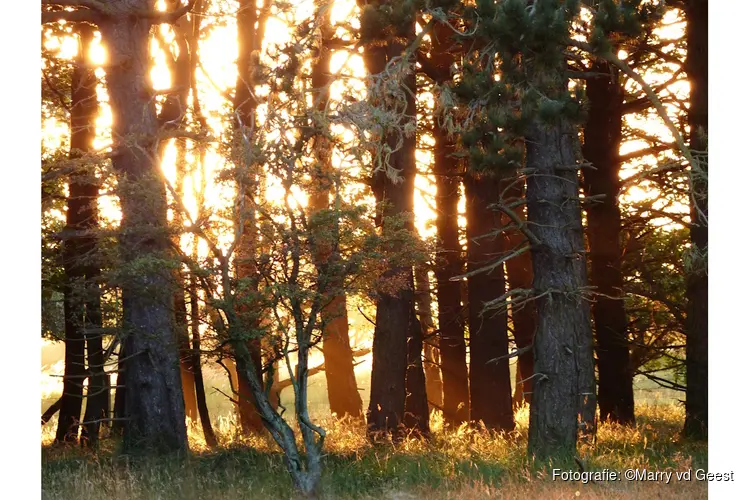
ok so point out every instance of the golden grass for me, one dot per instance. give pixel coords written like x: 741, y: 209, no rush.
x: 465, y: 463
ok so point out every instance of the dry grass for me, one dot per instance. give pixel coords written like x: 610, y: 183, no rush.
x: 464, y: 463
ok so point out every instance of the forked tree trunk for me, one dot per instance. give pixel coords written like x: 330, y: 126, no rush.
x: 696, y: 402
x: 601, y: 147
x: 81, y: 295
x: 489, y: 377
x: 154, y: 405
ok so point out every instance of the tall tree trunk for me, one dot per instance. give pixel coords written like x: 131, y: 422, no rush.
x: 564, y: 391
x: 395, y: 311
x: 343, y: 395
x: 430, y: 345
x: 601, y: 147
x: 449, y: 265
x: 81, y: 294
x: 154, y: 404
x: 520, y: 277
x: 490, y: 388
x: 249, y: 40
x: 416, y: 407
x: 696, y: 402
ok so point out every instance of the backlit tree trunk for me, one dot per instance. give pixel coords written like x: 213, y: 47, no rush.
x: 249, y: 39
x: 343, y: 395
x: 490, y: 387
x: 81, y: 300
x: 601, y: 147
x: 434, y: 384
x: 696, y: 402
x: 395, y: 311
x: 520, y: 276
x: 449, y: 258
x: 200, y: 390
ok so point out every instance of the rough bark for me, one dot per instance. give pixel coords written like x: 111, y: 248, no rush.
x: 601, y: 147
x: 82, y: 311
x: 489, y: 378
x: 343, y: 395
x: 696, y: 402
x: 564, y: 390
x: 154, y: 405
x: 449, y: 265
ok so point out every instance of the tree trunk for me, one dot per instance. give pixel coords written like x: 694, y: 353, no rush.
x: 121, y: 388
x: 416, y: 407
x: 696, y: 402
x: 249, y: 40
x: 395, y: 311
x: 200, y: 390
x: 449, y: 265
x: 490, y: 388
x: 430, y: 345
x: 154, y: 404
x: 81, y: 298
x: 601, y: 147
x: 563, y: 354
x: 520, y: 276
x: 186, y: 366
x: 343, y: 395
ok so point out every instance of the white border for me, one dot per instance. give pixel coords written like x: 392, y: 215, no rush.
x: 729, y: 272
x: 20, y: 292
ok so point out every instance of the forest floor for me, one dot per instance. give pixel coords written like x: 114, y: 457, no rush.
x: 463, y: 463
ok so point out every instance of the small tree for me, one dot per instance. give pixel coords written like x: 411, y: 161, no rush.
x: 303, y: 259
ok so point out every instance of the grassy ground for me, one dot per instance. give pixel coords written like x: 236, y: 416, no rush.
x: 463, y: 463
